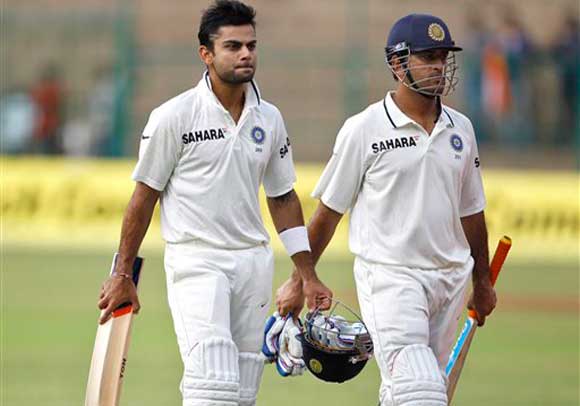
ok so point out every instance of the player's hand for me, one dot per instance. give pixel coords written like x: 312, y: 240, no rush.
x: 317, y: 294
x: 290, y: 297
x: 483, y: 301
x: 115, y: 291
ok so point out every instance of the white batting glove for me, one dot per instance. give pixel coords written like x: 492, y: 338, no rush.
x: 290, y: 362
x: 281, y: 345
x: 272, y: 330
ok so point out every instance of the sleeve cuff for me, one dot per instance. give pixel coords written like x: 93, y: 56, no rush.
x: 149, y: 182
x: 472, y: 210
x: 272, y: 193
x: 333, y: 205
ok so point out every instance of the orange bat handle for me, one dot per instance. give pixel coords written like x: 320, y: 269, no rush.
x: 503, y: 247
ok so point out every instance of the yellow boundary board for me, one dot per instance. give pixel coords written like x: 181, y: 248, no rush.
x: 79, y: 203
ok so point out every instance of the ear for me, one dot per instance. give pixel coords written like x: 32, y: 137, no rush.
x: 205, y: 54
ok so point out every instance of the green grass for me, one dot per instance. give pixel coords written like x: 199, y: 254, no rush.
x: 524, y: 356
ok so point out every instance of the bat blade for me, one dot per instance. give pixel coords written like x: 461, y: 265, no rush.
x: 108, y: 361
x: 459, y: 355
x: 110, y: 352
x: 461, y: 348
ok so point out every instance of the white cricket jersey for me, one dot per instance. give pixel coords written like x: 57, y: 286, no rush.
x: 210, y: 169
x: 407, y: 190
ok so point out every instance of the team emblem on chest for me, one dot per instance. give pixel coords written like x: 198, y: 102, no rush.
x: 258, y: 135
x: 456, y: 143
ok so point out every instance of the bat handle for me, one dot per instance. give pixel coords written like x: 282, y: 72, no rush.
x: 503, y: 247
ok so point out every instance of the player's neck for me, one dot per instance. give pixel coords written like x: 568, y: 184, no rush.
x: 232, y: 97
x: 422, y: 109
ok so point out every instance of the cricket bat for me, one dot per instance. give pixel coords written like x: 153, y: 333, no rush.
x: 110, y: 351
x: 459, y: 353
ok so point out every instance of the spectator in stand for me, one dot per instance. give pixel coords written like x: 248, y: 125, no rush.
x: 567, y: 59
x: 478, y: 38
x: 102, y: 111
x: 511, y: 54
x: 16, y: 120
x: 495, y: 87
x: 47, y: 95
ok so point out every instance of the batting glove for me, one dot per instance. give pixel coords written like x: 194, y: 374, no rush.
x: 282, y: 346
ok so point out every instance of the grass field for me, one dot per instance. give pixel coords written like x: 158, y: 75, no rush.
x: 526, y: 355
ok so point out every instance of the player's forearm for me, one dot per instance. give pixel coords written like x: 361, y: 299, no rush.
x: 321, y: 229
x: 286, y: 214
x: 286, y: 211
x: 135, y: 224
x: 304, y: 267
x: 476, y: 234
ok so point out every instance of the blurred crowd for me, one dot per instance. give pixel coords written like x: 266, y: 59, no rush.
x: 34, y: 120
x: 516, y: 92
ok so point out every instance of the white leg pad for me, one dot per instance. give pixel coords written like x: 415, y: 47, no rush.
x: 385, y: 397
x: 417, y: 379
x: 211, y: 376
x: 251, y: 368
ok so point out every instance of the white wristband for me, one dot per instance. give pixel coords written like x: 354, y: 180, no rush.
x: 295, y: 240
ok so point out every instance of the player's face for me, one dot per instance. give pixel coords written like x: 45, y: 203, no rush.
x: 233, y: 57
x: 428, y: 70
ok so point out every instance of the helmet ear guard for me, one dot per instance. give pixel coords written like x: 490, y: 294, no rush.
x: 334, y: 348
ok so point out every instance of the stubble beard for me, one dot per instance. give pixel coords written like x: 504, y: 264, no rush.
x: 232, y: 78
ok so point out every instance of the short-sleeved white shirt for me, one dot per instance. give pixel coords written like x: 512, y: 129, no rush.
x: 209, y: 169
x: 407, y: 190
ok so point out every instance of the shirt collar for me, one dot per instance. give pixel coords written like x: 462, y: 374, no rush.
x: 253, y: 98
x: 446, y: 117
x: 397, y: 118
x: 394, y: 115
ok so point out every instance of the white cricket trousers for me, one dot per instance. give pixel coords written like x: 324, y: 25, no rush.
x: 405, y: 307
x: 219, y: 300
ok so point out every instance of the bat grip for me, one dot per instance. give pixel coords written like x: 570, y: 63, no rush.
x: 503, y: 247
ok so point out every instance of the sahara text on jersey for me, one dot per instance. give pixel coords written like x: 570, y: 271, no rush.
x: 203, y: 135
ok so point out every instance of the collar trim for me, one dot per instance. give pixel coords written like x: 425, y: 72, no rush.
x: 399, y: 119
x: 449, y: 117
x: 388, y: 115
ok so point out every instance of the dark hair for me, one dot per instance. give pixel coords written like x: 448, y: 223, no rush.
x: 221, y: 13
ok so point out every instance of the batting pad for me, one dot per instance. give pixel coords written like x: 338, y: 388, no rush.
x: 251, y: 368
x: 211, y: 376
x: 417, y: 380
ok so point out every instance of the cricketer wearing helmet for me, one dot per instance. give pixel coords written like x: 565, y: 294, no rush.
x: 204, y: 154
x: 407, y: 168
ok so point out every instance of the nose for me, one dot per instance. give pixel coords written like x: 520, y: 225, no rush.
x: 439, y: 64
x: 246, y: 53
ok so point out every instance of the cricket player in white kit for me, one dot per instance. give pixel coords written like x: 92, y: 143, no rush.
x: 204, y: 154
x: 407, y: 168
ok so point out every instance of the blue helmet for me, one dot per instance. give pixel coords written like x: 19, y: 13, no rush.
x: 421, y: 32
x: 417, y: 33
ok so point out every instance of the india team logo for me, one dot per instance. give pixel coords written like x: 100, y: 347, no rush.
x: 258, y: 135
x: 436, y: 32
x: 456, y: 143
x: 315, y: 365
